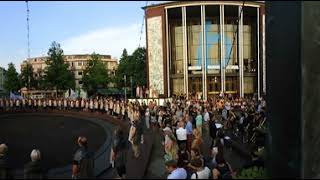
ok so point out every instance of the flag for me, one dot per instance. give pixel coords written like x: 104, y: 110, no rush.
x: 15, y: 96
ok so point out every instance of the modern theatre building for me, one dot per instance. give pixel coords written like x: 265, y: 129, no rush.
x: 206, y: 47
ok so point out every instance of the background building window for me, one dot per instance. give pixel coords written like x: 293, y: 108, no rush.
x: 194, y: 36
x: 80, y: 73
x: 212, y: 35
x: 176, y: 37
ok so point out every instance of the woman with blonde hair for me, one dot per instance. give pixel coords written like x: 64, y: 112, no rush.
x: 171, y: 147
x: 197, y: 141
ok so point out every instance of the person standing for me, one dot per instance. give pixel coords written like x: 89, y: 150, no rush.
x: 175, y: 172
x: 45, y: 104
x: 206, y: 118
x: 111, y: 106
x: 223, y: 169
x: 91, y: 105
x: 199, y: 122
x: 201, y: 171
x: 212, y: 131
x: 147, y: 118
x: 55, y: 104
x: 29, y: 104
x: 101, y: 105
x: 189, y: 131
x: 119, y: 152
x: 5, y: 170
x: 181, y: 133
x: 106, y: 106
x: 34, y: 169
x: 1, y: 105
x: 83, y: 162
x: 136, y: 138
x: 82, y: 104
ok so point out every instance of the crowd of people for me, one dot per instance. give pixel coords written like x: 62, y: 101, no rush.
x: 184, y: 124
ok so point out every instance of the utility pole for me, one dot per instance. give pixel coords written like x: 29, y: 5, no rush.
x: 28, y: 30
x: 28, y: 39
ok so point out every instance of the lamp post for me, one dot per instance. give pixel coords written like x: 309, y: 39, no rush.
x: 131, y: 84
x: 125, y: 89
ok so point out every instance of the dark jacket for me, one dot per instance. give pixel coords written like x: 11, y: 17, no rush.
x: 85, y: 160
x: 34, y: 170
x: 120, y: 146
x: 5, y: 170
x: 212, y: 129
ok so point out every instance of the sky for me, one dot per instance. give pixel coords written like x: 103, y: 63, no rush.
x: 80, y: 27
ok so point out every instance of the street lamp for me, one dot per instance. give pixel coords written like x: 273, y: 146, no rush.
x: 125, y: 89
x: 131, y: 84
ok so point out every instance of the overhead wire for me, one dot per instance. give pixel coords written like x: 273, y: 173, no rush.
x: 142, y: 24
x: 235, y: 33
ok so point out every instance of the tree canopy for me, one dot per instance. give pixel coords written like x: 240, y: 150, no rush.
x: 57, y: 75
x: 27, y: 77
x: 133, y: 66
x: 95, y: 75
x: 12, y: 82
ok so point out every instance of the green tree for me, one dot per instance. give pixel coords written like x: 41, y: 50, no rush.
x: 57, y: 75
x: 40, y: 81
x: 12, y: 82
x: 122, y: 69
x: 95, y: 75
x: 27, y: 77
x: 133, y: 66
x: 138, y: 67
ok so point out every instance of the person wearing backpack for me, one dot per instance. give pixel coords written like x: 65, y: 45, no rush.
x: 223, y: 169
x: 83, y: 161
x: 200, y: 172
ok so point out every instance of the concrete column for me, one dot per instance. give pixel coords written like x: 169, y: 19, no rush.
x: 168, y: 54
x: 185, y: 53
x: 258, y: 50
x: 240, y: 53
x: 310, y: 69
x: 203, y: 48
x: 283, y: 47
x: 222, y: 49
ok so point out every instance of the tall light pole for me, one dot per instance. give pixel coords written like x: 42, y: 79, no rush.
x: 131, y: 85
x: 125, y: 89
x: 28, y: 30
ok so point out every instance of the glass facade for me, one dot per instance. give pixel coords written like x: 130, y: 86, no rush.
x: 209, y: 53
x: 194, y: 49
x: 176, y: 51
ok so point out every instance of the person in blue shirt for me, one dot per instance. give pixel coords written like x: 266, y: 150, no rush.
x: 189, y: 131
x: 199, y: 122
x: 175, y: 172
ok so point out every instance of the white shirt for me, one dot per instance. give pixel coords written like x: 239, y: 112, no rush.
x: 204, y: 174
x: 181, y: 134
x: 206, y: 117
